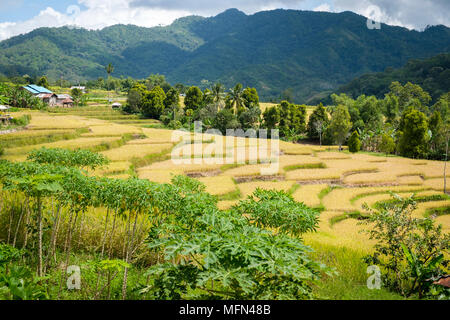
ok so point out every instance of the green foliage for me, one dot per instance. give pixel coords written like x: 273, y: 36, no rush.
x: 318, y: 122
x: 135, y: 97
x: 410, y: 95
x: 413, y: 141
x: 271, y: 118
x: 225, y: 257
x: 43, y: 82
x: 340, y: 125
x: 354, y: 144
x: 224, y: 120
x: 194, y: 98
x: 18, y: 98
x: 172, y: 98
x: 250, y: 98
x: 21, y: 121
x: 409, y: 250
x: 153, y: 103
x: 431, y: 74
x: 387, y: 144
x: 251, y: 117
x: 19, y: 283
x: 278, y: 210
x: 188, y: 51
x: 9, y: 254
x: 289, y: 118
x: 62, y: 157
x: 77, y: 95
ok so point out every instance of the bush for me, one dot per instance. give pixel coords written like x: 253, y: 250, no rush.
x: 409, y: 251
x: 354, y: 144
x: 21, y: 121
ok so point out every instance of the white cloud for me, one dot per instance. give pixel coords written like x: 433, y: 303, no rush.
x: 413, y: 14
x: 97, y: 14
x: 323, y: 7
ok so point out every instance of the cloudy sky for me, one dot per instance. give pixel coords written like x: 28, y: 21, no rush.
x: 21, y: 16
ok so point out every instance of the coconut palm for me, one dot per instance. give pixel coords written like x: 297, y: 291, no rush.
x: 217, y: 92
x: 109, y: 69
x: 236, y: 96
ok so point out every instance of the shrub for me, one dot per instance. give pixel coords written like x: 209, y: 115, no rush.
x: 354, y: 144
x: 21, y: 121
x: 410, y: 251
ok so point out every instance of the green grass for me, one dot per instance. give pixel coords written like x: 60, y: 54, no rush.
x: 150, y: 159
x: 349, y: 215
x: 326, y: 191
x: 305, y: 166
x: 437, y: 212
x: 12, y: 141
x: 437, y: 197
x: 374, y: 193
x: 233, y: 195
x: 350, y: 282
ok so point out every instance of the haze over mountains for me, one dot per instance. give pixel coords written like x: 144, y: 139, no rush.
x: 309, y: 52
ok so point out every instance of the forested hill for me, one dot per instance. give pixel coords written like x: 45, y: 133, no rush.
x: 309, y: 52
x: 432, y: 74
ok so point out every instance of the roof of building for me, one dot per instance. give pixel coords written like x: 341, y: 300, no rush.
x: 34, y: 89
x: 64, y: 96
x: 46, y: 95
x: 67, y: 101
x: 116, y: 104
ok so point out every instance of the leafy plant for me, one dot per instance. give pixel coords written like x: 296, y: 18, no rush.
x: 277, y: 209
x: 409, y: 250
x: 79, y: 158
x: 213, y: 254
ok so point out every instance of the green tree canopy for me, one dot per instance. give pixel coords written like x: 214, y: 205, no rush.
x: 153, y: 103
x: 194, y: 98
x: 414, y: 137
x: 340, y: 125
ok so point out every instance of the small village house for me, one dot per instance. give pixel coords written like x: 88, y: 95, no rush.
x: 42, y: 93
x: 65, y: 100
x: 48, y: 98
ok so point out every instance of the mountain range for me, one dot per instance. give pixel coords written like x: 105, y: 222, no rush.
x: 308, y: 52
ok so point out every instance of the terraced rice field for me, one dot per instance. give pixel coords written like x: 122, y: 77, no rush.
x: 337, y: 183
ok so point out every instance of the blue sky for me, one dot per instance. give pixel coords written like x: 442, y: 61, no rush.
x: 22, y: 16
x: 21, y: 10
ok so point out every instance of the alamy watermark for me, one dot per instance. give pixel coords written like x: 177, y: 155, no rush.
x: 74, y: 279
x: 375, y: 14
x: 374, y: 280
x: 236, y: 147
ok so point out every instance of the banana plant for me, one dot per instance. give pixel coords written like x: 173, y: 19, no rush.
x: 421, y: 271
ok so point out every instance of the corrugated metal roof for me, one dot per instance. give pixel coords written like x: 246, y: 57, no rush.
x: 64, y: 96
x: 34, y: 89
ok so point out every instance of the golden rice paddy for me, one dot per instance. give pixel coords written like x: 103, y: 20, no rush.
x: 306, y: 171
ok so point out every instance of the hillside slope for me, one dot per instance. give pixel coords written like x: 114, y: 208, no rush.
x: 432, y: 74
x: 309, y: 52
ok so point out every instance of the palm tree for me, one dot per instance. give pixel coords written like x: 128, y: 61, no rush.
x: 217, y: 92
x: 236, y: 96
x: 109, y: 69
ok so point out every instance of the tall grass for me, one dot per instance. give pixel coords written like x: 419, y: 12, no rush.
x: 36, y: 137
x: 350, y: 282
